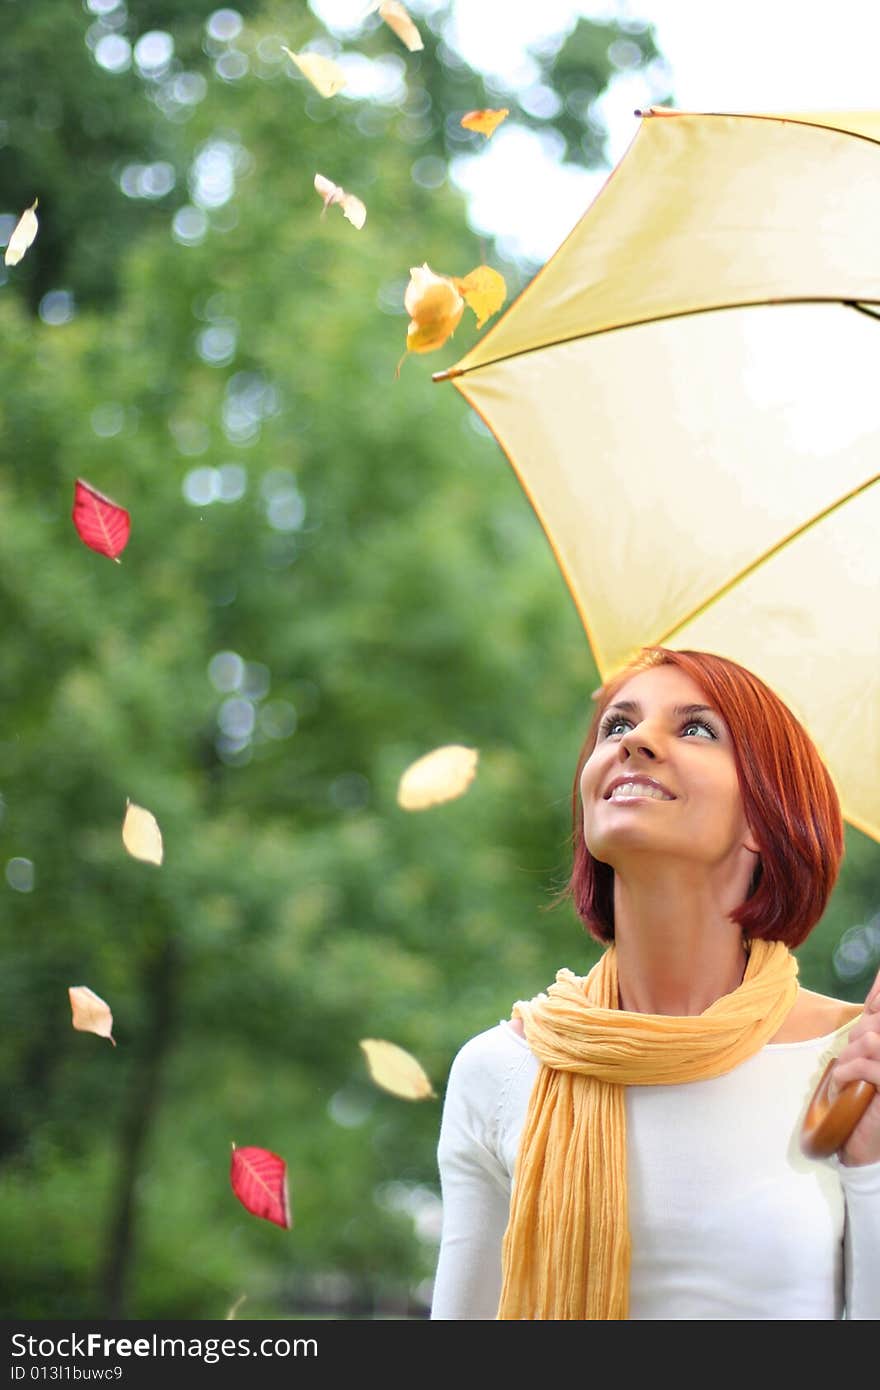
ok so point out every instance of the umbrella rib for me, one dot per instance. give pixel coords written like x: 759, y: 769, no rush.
x: 451, y: 372
x: 768, y: 554
x: 862, y: 308
x: 780, y: 116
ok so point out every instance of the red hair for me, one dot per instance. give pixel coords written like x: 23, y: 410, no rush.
x: 789, y: 799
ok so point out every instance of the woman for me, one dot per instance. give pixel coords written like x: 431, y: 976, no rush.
x: 628, y: 1145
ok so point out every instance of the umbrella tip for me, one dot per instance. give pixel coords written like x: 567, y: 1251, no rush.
x: 449, y: 373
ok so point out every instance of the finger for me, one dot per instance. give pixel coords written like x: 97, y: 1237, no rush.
x: 868, y: 1022
x: 859, y: 1069
x: 850, y: 1065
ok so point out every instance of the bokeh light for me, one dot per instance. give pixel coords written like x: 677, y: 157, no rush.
x: 153, y: 53
x: 189, y: 225
x: 20, y: 875
x: 113, y: 53
x: 224, y: 25
x: 57, y: 307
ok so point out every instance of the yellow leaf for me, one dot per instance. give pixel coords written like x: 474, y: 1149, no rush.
x: 396, y: 1071
x: 439, y: 776
x: 396, y: 16
x: 90, y: 1013
x: 141, y: 834
x: 23, y: 235
x: 484, y: 122
x: 325, y: 76
x: 352, y: 207
x: 485, y: 291
x: 242, y: 1298
x: 435, y: 307
x: 354, y: 210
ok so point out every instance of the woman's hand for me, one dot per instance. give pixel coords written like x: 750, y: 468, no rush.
x: 860, y: 1061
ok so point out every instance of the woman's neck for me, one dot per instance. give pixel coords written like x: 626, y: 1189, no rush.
x: 677, y: 952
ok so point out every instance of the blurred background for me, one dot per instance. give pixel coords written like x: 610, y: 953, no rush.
x: 331, y: 571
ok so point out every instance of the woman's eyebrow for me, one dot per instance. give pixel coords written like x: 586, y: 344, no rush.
x: 633, y: 707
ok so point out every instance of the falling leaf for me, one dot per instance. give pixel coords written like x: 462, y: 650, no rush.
x: 259, y: 1181
x: 141, y: 834
x: 90, y: 1013
x: 325, y: 76
x: 485, y: 292
x: 101, y: 524
x: 484, y: 122
x: 352, y: 207
x: 439, y: 776
x: 396, y: 1071
x: 396, y: 16
x: 435, y: 307
x: 242, y: 1298
x: 23, y: 235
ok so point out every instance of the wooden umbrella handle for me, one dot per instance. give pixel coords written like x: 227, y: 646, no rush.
x: 827, y: 1125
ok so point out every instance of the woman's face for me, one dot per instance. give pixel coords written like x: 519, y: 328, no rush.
x: 696, y: 812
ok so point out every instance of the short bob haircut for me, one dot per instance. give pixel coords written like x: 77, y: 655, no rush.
x: 789, y: 799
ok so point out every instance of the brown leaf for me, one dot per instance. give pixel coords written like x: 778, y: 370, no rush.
x: 484, y: 122
x: 90, y: 1013
x: 439, y: 776
x: 396, y: 1071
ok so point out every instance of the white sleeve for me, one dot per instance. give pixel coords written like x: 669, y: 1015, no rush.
x: 475, y: 1186
x: 861, y: 1190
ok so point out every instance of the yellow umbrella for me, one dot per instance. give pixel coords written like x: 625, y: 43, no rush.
x: 689, y: 393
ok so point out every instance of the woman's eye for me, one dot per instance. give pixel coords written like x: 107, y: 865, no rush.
x: 612, y: 725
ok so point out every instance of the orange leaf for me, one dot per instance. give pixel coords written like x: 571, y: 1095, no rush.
x: 435, y: 307
x: 396, y: 16
x: 90, y: 1013
x: 484, y: 122
x: 485, y: 292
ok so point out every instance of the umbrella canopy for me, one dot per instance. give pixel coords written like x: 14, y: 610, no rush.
x: 689, y: 393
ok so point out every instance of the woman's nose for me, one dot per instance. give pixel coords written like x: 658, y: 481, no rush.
x: 640, y: 740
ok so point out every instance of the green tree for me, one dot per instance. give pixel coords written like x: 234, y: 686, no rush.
x: 331, y: 571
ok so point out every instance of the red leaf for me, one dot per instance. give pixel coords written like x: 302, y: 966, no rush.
x: 102, y: 524
x: 259, y: 1181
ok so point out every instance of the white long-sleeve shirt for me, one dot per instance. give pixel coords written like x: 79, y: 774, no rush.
x: 728, y: 1219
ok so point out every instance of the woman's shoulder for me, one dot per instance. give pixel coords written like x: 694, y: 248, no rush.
x: 502, y: 1045
x: 816, y: 1016
x: 486, y: 1061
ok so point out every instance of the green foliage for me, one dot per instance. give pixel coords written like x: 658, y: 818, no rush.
x: 385, y: 588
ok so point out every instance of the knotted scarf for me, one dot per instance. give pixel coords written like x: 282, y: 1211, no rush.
x: 566, y: 1250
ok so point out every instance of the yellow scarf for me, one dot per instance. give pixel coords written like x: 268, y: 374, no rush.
x: 566, y: 1250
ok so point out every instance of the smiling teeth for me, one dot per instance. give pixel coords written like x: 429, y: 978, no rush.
x: 638, y: 789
